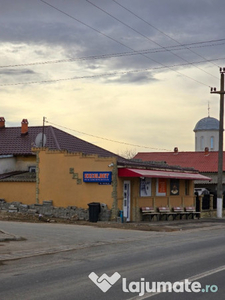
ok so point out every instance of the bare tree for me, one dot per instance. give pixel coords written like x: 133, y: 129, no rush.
x: 128, y: 153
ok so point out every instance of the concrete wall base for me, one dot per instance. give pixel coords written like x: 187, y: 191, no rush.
x: 48, y: 210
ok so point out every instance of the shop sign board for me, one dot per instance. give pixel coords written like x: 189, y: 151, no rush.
x: 103, y: 177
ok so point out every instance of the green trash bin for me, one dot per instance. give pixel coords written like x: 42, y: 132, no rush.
x: 94, y: 210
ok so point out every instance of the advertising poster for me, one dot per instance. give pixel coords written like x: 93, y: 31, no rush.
x: 145, y: 187
x: 174, y: 187
x: 161, y: 187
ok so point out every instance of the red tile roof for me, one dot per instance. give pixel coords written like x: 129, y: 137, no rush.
x: 197, y: 160
x: 12, y: 142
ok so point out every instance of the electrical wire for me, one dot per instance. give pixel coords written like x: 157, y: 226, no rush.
x: 121, y: 54
x: 146, y: 37
x: 184, y: 75
x: 106, y: 75
x: 162, y: 32
x: 106, y: 139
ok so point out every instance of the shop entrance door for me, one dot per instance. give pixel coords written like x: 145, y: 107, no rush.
x: 126, y: 200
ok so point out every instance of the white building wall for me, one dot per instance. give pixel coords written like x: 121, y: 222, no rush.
x: 203, y: 139
x: 11, y: 164
x: 7, y: 164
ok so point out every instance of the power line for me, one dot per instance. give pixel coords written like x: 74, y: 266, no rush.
x: 106, y: 139
x: 90, y: 27
x: 117, y: 41
x: 106, y: 75
x: 122, y: 54
x: 162, y: 32
x: 146, y: 37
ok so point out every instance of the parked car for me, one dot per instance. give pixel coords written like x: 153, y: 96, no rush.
x: 202, y: 191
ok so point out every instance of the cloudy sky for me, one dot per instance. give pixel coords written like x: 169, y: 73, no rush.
x: 133, y: 71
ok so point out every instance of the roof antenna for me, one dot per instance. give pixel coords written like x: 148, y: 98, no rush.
x: 208, y: 109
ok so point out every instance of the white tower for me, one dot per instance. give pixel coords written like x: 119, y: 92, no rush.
x: 207, y: 134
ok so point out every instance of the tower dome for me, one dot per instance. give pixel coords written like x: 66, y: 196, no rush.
x: 207, y: 134
x: 207, y: 123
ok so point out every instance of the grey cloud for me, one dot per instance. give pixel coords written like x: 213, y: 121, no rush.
x: 35, y: 23
x: 16, y: 72
x: 140, y: 78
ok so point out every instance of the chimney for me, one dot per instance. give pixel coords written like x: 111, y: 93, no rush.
x: 206, y: 151
x: 24, y: 127
x: 2, y: 122
x: 175, y: 150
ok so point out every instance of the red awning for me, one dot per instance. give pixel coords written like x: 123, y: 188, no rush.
x: 125, y: 172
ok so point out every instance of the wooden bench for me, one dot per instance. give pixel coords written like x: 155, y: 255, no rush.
x: 187, y: 212
x: 179, y: 210
x: 165, y: 211
x: 191, y: 211
x: 150, y: 212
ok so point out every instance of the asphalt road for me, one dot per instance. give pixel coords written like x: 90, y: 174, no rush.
x: 140, y: 258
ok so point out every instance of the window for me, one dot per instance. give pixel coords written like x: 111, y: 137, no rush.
x: 212, y: 142
x: 202, y: 143
x: 32, y: 169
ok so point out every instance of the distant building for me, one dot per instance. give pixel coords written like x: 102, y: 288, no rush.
x: 207, y: 134
x: 205, y: 162
x: 204, y: 158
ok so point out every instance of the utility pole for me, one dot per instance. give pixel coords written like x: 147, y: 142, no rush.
x: 220, y: 153
x: 43, y: 131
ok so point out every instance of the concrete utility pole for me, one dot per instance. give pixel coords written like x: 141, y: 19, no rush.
x: 220, y: 153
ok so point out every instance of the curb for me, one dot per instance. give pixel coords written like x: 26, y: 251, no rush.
x: 7, y: 237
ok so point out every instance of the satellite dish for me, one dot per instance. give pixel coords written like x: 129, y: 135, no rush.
x: 40, y: 140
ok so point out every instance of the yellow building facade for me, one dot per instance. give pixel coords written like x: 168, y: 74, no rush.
x: 61, y: 177
x: 21, y: 191
x: 76, y: 179
x: 85, y: 173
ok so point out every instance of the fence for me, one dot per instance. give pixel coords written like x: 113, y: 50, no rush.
x: 207, y: 202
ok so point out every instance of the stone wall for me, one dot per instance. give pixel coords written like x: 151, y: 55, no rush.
x: 48, y: 210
